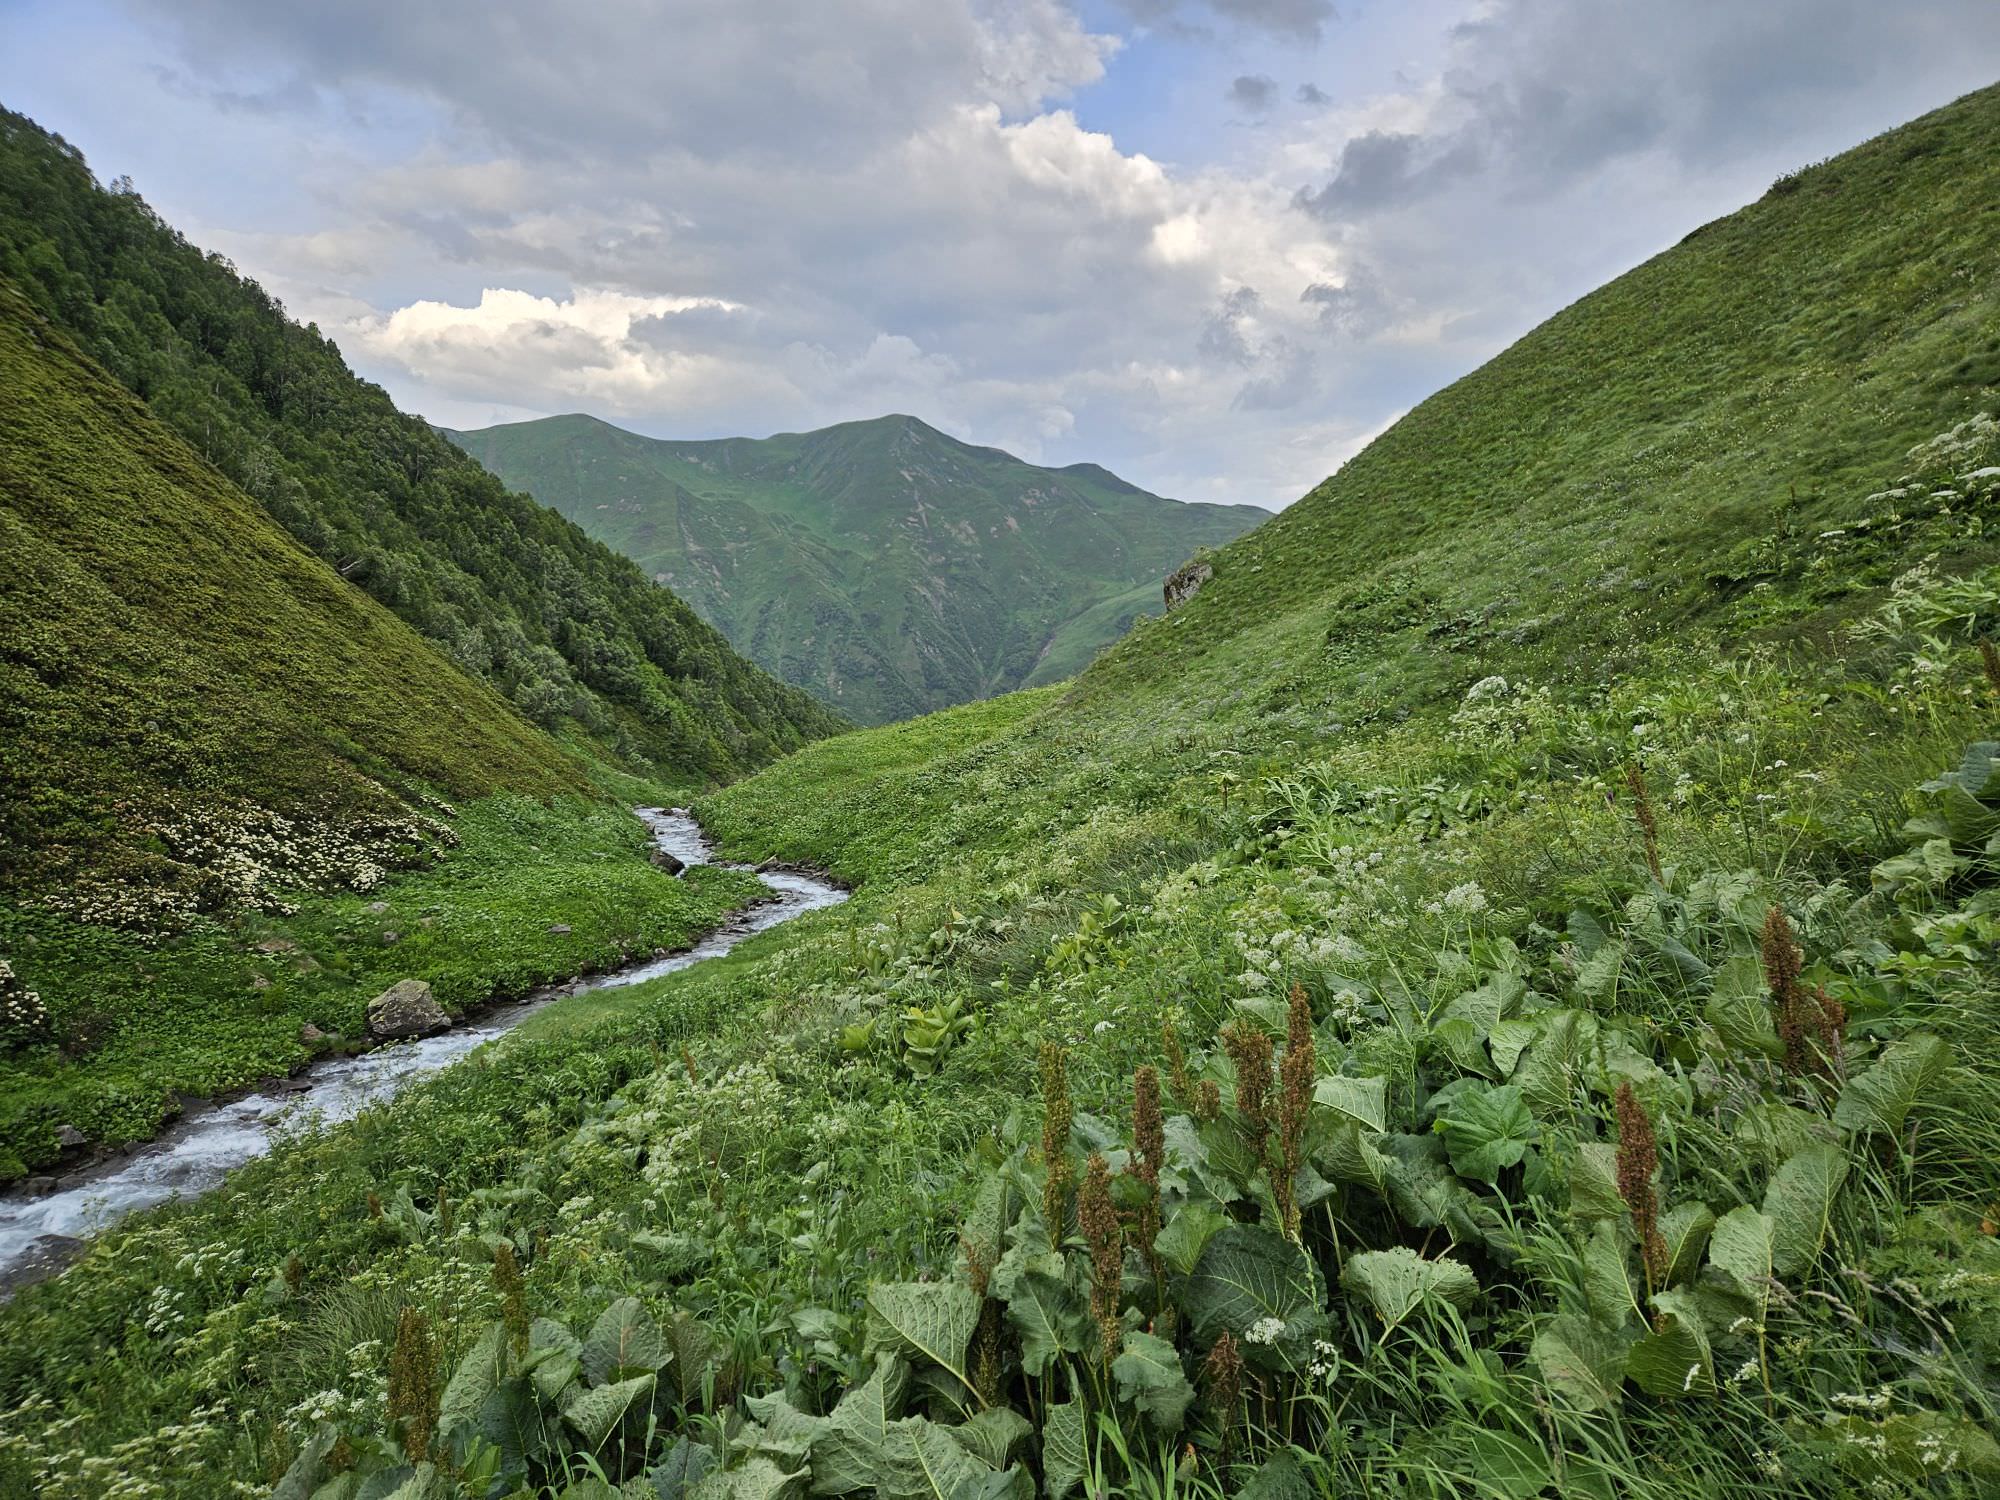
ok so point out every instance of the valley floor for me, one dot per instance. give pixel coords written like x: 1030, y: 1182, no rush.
x: 1585, y: 1092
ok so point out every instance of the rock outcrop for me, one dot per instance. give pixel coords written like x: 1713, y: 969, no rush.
x: 1186, y: 582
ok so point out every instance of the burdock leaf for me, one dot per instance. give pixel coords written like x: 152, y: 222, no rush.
x: 1150, y: 1377
x: 1062, y: 1448
x: 1398, y: 1281
x: 1190, y: 1229
x: 596, y: 1411
x: 1593, y: 1182
x: 991, y: 1435
x: 1249, y: 1275
x: 757, y: 1479
x: 1582, y: 1361
x: 1607, y: 1277
x: 1799, y: 1204
x: 1686, y: 1228
x: 1882, y: 1097
x: 1673, y: 1359
x: 1365, y: 1101
x: 848, y: 1450
x: 1741, y: 1249
x: 933, y: 1320
x: 623, y: 1342
x: 1487, y: 1131
x: 921, y: 1461
x: 1050, y: 1317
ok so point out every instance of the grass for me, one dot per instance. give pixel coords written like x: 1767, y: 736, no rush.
x: 1360, y: 874
x: 225, y: 1004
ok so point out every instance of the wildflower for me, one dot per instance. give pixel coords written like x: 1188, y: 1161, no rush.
x: 1801, y: 1018
x: 1642, y: 811
x: 1149, y: 1154
x: 413, y: 1392
x: 1295, y: 1086
x: 1223, y: 1375
x: 1055, y: 1137
x: 1207, y: 1101
x: 1638, y: 1159
x: 1105, y: 1236
x: 1177, y: 1073
x: 1264, y: 1331
x: 513, y: 1297
x: 1250, y: 1049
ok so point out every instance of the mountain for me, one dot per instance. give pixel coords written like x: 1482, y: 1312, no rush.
x: 573, y: 635
x: 174, y: 658
x: 1484, y: 996
x: 881, y: 565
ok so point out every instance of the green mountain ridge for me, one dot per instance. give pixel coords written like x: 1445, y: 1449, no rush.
x: 884, y: 566
x: 574, y: 635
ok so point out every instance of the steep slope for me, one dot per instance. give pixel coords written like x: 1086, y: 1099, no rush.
x: 171, y: 654
x: 1578, y: 1083
x: 882, y: 565
x: 571, y: 633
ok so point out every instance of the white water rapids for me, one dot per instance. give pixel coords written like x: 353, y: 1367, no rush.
x: 194, y: 1154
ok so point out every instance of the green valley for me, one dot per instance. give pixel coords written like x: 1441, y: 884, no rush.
x: 883, y: 566
x: 1493, y: 996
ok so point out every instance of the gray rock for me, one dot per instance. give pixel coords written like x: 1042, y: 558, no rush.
x: 311, y: 1036
x: 390, y: 939
x: 39, y: 1187
x: 668, y: 862
x: 376, y: 908
x: 406, y: 1008
x: 1186, y: 583
x: 69, y: 1137
x: 559, y: 929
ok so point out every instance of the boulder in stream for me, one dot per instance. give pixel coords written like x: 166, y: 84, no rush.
x: 406, y: 1009
x: 672, y: 864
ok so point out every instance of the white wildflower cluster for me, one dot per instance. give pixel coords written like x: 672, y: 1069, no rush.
x: 23, y: 1017
x: 1325, y: 1359
x: 1974, y: 441
x: 1463, y: 901
x: 244, y: 857
x: 1495, y: 711
x: 1276, y: 947
x: 176, y: 1458
x: 689, y: 1128
x: 1264, y: 1331
x: 1877, y: 1400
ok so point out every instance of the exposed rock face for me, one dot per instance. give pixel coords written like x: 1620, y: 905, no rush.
x: 69, y: 1137
x: 1186, y: 582
x: 406, y: 1009
x: 668, y: 862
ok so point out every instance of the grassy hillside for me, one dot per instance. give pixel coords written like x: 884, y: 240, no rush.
x: 569, y: 632
x: 207, y: 736
x: 1350, y: 1041
x: 883, y: 566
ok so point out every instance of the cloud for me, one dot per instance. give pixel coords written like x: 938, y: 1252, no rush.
x: 1312, y: 94
x: 1302, y: 20
x: 1253, y: 93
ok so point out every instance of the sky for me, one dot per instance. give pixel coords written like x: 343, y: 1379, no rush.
x: 1214, y: 245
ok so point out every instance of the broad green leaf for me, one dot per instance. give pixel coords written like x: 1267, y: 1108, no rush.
x: 1279, y: 1477
x: 1050, y: 1316
x: 1558, y: 1064
x: 1350, y: 1155
x: 1063, y: 1458
x: 782, y: 1433
x: 623, y: 1342
x: 1365, y: 1101
x: 1593, y: 1182
x: 932, y: 1320
x: 1487, y: 1131
x: 1509, y: 1466
x: 848, y: 1450
x: 992, y: 1435
x: 302, y: 1475
x: 595, y: 1412
x: 1398, y: 1281
x: 1882, y: 1096
x: 691, y: 1346
x: 1598, y: 974
x: 1509, y: 1040
x: 1673, y: 1359
x: 683, y: 1467
x: 1686, y: 1228
x: 995, y: 1206
x: 1150, y: 1377
x: 1464, y: 1043
x: 1741, y: 1248
x: 1190, y: 1228
x: 1582, y: 1361
x: 1607, y: 1276
x: 1246, y: 1276
x: 1799, y: 1204
x: 1421, y: 1187
x: 516, y: 1422
x: 481, y: 1370
x: 755, y: 1479
x: 921, y: 1461
x: 555, y: 1356
x: 590, y: 1487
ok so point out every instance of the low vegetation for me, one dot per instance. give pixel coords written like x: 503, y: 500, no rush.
x: 1343, y: 1043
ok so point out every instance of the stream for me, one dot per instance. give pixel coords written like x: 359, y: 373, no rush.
x: 39, y: 1235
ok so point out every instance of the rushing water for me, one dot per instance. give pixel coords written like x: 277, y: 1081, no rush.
x: 38, y: 1234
